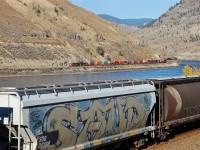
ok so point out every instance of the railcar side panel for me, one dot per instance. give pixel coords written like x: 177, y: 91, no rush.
x: 89, y: 122
x: 182, y: 101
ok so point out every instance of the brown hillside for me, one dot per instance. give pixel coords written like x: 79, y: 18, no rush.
x: 175, y: 33
x: 54, y: 33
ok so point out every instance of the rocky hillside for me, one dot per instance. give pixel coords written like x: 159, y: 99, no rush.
x: 54, y: 33
x: 176, y: 32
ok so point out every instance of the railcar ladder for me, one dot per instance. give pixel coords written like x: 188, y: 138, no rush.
x: 13, y: 131
x: 161, y: 109
x: 19, y: 132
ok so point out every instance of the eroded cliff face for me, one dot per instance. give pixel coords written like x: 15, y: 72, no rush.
x: 54, y: 33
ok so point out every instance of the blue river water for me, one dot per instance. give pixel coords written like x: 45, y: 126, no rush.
x: 21, y: 81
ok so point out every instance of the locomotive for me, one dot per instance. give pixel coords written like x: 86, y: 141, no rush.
x: 95, y: 115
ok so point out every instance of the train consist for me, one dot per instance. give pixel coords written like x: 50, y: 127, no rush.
x: 96, y: 115
x: 121, y: 62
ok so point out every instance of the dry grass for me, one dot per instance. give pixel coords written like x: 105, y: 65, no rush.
x: 175, y: 33
x: 55, y: 31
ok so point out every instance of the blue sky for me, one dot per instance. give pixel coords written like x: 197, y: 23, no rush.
x: 125, y: 9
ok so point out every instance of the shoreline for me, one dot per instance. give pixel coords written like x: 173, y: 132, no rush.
x: 82, y: 69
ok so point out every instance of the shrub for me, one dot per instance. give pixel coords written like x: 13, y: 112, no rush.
x: 108, y: 58
x: 82, y: 28
x: 88, y: 50
x: 100, y: 51
x: 120, y: 53
x: 38, y: 11
x: 56, y: 10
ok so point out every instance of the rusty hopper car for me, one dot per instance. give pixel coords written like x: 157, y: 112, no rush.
x: 76, y: 116
x: 178, y: 102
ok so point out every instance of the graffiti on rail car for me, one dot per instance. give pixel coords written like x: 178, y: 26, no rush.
x: 75, y: 123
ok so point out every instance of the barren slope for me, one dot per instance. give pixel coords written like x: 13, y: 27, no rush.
x: 54, y: 33
x: 175, y: 33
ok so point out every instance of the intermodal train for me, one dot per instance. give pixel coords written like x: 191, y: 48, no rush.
x: 96, y: 115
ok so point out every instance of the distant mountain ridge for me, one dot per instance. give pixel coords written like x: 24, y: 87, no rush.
x: 130, y: 22
x: 175, y: 33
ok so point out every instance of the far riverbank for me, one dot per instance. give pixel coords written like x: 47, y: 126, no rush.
x: 60, y: 78
x: 82, y: 69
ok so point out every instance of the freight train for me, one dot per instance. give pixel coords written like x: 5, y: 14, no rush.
x: 121, y: 62
x: 95, y: 115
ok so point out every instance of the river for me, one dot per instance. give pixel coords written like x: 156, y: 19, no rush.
x: 21, y: 81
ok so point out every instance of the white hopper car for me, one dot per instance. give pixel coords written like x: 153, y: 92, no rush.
x: 76, y: 116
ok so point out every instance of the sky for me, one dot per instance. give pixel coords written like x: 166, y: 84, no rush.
x: 127, y: 9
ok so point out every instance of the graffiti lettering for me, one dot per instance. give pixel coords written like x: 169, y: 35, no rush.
x: 46, y: 139
x: 64, y: 119
x: 34, y: 116
x: 42, y: 139
x: 37, y: 124
x: 95, y: 123
x: 34, y: 119
x: 131, y: 113
x: 99, y: 118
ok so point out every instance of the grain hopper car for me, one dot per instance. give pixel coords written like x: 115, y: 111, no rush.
x: 93, y: 115
x: 76, y: 116
x: 178, y: 102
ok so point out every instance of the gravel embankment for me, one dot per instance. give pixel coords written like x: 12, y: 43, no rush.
x: 187, y: 141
